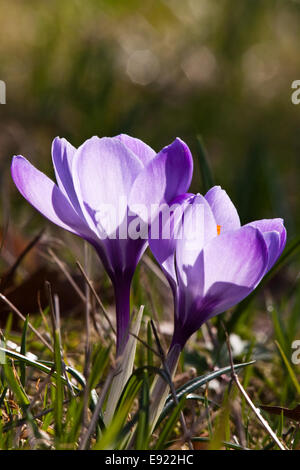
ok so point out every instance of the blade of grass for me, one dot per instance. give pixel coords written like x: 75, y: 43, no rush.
x: 3, y: 395
x: 255, y: 410
x: 14, y: 309
x: 289, y: 368
x: 15, y: 385
x: 23, y: 352
x: 93, y: 291
x: 150, y: 344
x: 229, y: 445
x: 142, y: 431
x: 160, y: 387
x: 113, y: 433
x: 170, y: 424
x: 125, y: 367
x: 100, y: 361
x: 206, y: 173
x: 42, y: 367
x: 59, y: 395
x: 196, y: 383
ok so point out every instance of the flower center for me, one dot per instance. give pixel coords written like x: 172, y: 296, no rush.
x: 218, y: 229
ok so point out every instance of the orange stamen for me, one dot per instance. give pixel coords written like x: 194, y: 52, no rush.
x: 218, y: 229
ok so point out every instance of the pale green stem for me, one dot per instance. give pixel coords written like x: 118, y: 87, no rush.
x: 161, y: 388
x: 124, y: 367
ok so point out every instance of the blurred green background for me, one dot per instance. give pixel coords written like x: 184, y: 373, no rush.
x: 156, y: 70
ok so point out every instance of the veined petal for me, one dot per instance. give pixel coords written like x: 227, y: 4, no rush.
x: 223, y: 209
x: 274, y: 234
x: 144, y: 153
x: 194, y: 310
x: 239, y: 257
x: 163, y: 235
x: 220, y: 297
x: 168, y: 175
x: 272, y: 240
x: 43, y: 194
x: 226, y: 271
x: 199, y: 228
x: 62, y: 158
x: 103, y: 173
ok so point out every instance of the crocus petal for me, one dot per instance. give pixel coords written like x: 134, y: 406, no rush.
x: 123, y: 254
x: 226, y: 271
x: 272, y: 240
x: 193, y: 311
x: 138, y: 147
x: 274, y: 234
x: 223, y: 209
x: 45, y: 196
x: 167, y: 175
x: 199, y: 227
x: 103, y: 173
x: 62, y: 157
x: 220, y: 297
x: 163, y: 235
x: 131, y: 253
x: 238, y: 257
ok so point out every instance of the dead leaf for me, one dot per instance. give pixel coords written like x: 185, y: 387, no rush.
x: 293, y: 414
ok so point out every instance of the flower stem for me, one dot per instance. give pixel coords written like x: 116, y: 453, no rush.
x: 122, y: 296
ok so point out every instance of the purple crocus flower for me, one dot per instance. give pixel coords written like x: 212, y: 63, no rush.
x: 220, y: 265
x: 211, y: 263
x: 97, y: 179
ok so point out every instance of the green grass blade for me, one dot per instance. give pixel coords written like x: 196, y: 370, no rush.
x: 23, y: 352
x: 41, y: 365
x: 229, y: 445
x: 113, y: 433
x: 3, y: 395
x: 170, y: 424
x: 289, y: 368
x: 150, y: 344
x: 59, y: 394
x: 206, y: 173
x: 15, y: 385
x: 125, y: 367
x: 279, y: 329
x: 142, y: 431
x: 100, y: 361
x: 197, y: 382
